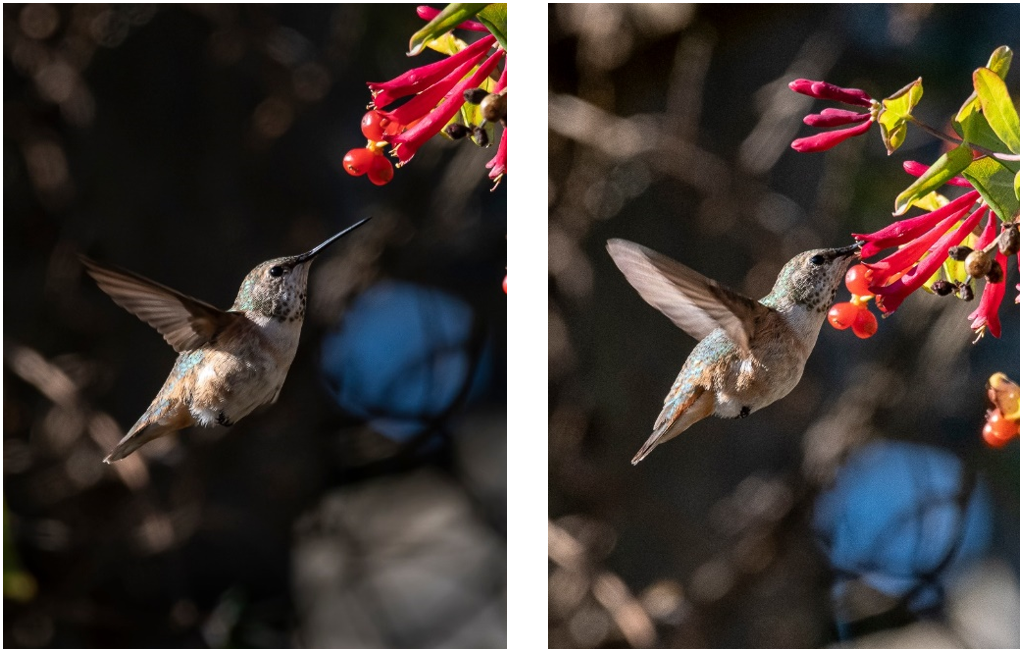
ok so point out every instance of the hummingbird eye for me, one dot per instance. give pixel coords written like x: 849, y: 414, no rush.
x: 276, y: 271
x: 817, y: 260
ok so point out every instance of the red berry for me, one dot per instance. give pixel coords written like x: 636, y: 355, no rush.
x: 373, y: 125
x: 1002, y: 428
x: 857, y: 281
x: 358, y: 161
x: 865, y: 323
x: 842, y: 315
x: 381, y: 171
x: 504, y: 284
x: 991, y: 438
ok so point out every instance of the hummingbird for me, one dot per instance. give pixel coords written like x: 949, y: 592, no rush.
x: 229, y: 362
x: 749, y: 353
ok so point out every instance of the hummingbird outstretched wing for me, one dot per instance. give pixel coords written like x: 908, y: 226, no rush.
x: 185, y: 323
x: 695, y: 303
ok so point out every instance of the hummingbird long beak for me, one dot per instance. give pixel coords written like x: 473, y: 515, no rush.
x: 307, y: 256
x: 847, y: 251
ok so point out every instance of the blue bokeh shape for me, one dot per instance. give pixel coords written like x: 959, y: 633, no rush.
x: 402, y: 356
x: 901, y: 518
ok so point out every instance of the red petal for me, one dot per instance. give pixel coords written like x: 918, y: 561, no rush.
x: 828, y: 140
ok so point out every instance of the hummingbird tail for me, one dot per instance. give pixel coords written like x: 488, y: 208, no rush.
x: 144, y: 432
x: 677, y: 416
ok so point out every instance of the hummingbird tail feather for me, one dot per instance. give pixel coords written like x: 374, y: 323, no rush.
x: 678, y: 416
x: 144, y: 432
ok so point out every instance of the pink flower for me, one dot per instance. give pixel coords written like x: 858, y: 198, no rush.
x: 986, y: 314
x: 832, y: 116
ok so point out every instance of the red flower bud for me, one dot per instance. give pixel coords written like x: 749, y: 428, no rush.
x: 829, y: 139
x: 824, y: 90
x: 835, y: 117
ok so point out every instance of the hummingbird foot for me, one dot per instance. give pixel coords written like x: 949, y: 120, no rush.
x: 745, y: 411
x: 223, y: 420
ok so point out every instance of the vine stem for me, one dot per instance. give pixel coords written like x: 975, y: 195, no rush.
x: 1010, y: 157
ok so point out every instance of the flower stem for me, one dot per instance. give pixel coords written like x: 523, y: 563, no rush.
x: 1011, y: 157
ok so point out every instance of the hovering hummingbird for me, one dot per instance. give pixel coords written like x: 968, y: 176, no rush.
x: 750, y: 353
x: 229, y: 362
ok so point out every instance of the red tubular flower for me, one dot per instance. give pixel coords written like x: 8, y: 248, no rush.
x: 889, y: 297
x: 405, y: 144
x: 498, y: 163
x: 986, y: 314
x: 828, y: 140
x: 429, y: 13
x: 917, y: 169
x: 824, y: 90
x: 419, y: 79
x: 907, y: 230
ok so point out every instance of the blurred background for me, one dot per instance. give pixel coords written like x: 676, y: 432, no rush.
x: 190, y: 143
x: 863, y: 507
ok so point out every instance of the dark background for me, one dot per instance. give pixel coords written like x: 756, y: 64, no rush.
x: 190, y: 144
x: 670, y: 125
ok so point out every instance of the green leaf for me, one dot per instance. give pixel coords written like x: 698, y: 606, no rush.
x: 998, y: 107
x: 947, y: 167
x: 996, y: 185
x: 450, y: 17
x: 897, y: 109
x: 975, y: 129
x: 1016, y: 184
x: 494, y: 18
x: 999, y: 63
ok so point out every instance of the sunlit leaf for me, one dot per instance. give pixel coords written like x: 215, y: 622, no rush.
x: 494, y: 18
x: 451, y: 16
x: 998, y: 107
x: 999, y: 63
x: 996, y: 185
x: 944, y: 169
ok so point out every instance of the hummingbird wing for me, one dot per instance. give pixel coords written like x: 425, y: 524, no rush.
x: 695, y: 303
x: 185, y: 323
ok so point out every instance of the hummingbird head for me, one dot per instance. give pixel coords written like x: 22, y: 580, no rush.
x: 811, y: 278
x: 277, y: 288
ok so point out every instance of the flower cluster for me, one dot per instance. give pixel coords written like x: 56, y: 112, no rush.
x: 928, y: 247
x: 435, y: 94
x: 831, y: 117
